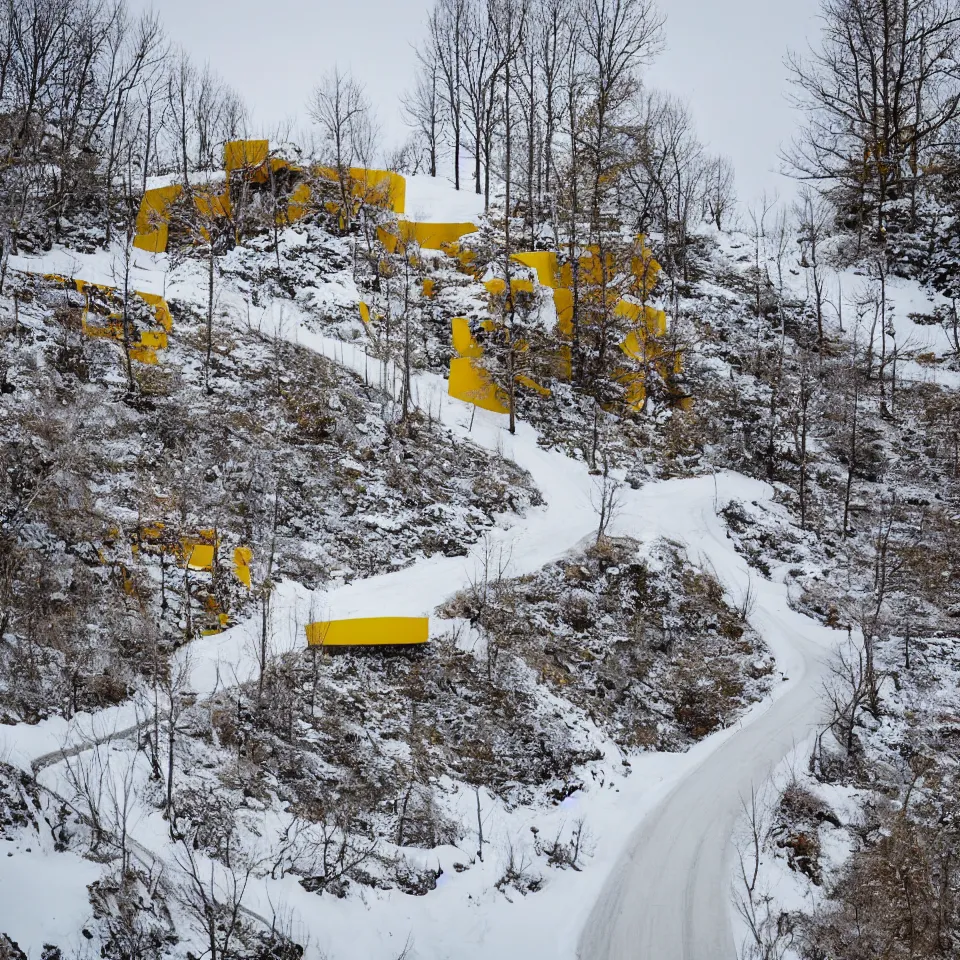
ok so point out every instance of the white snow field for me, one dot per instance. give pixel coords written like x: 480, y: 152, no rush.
x: 656, y: 881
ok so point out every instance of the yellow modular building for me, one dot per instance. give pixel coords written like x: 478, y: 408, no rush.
x: 369, y: 632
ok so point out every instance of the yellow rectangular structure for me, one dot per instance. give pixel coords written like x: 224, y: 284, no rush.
x: 563, y: 301
x: 383, y: 188
x: 242, y: 558
x: 369, y: 632
x: 471, y: 383
x: 153, y: 218
x: 161, y: 309
x: 524, y: 381
x: 299, y: 204
x: 433, y: 236
x: 544, y: 262
x: 245, y: 154
x: 200, y: 556
x: 463, y: 340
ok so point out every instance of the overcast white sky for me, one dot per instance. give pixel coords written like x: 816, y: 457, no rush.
x: 724, y: 58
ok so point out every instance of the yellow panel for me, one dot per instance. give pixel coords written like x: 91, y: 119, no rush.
x: 154, y: 241
x: 497, y: 286
x: 466, y: 257
x: 153, y: 339
x: 214, y: 206
x: 161, y: 309
x: 563, y: 301
x: 369, y: 632
x: 298, y: 206
x: 84, y: 285
x: 463, y: 340
x: 545, y: 263
x: 471, y: 383
x: 154, y: 216
x: 656, y: 321
x: 388, y: 238
x: 239, y: 154
x: 532, y: 384
x: 635, y: 392
x: 434, y: 236
x: 382, y: 187
x: 142, y: 354
x: 201, y: 556
x: 634, y: 346
x: 242, y: 557
x: 109, y: 331
x: 629, y: 311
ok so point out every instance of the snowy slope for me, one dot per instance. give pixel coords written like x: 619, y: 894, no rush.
x: 466, y: 916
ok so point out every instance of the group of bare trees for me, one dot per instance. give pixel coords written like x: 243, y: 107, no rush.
x: 93, y: 99
x: 882, y: 100
x: 540, y: 105
x: 557, y: 82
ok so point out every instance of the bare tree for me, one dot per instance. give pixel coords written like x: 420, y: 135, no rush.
x: 423, y: 110
x: 719, y: 195
x: 877, y: 93
x: 446, y: 28
x: 607, y: 499
x: 340, y: 108
x: 813, y: 215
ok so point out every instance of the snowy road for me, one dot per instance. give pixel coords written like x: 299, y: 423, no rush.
x: 670, y: 894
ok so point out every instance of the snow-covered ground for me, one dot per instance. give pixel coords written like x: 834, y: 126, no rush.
x: 433, y: 199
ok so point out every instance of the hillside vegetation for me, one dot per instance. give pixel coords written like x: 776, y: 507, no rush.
x: 243, y: 391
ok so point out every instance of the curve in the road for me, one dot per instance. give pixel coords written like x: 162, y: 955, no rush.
x: 670, y: 894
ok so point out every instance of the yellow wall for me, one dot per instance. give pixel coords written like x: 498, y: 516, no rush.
x: 383, y: 188
x: 463, y: 340
x: 544, y: 262
x: 200, y: 556
x: 298, y: 206
x: 240, y: 154
x: 161, y: 309
x: 242, y: 558
x: 497, y: 286
x: 153, y: 217
x: 144, y: 348
x: 431, y: 236
x: 471, y: 383
x: 369, y: 632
